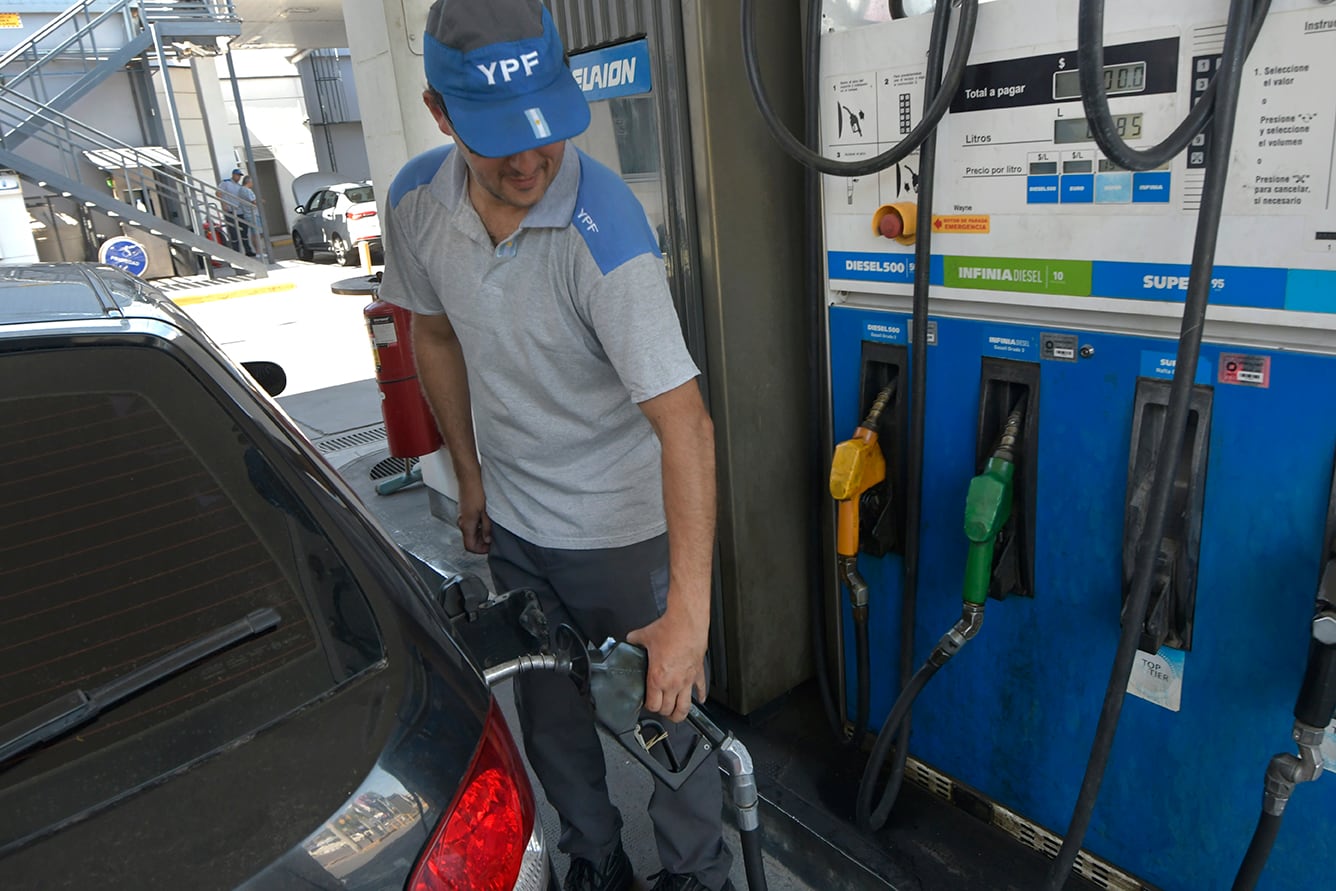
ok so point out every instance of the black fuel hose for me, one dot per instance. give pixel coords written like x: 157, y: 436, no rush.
x: 1171, y: 443
x: 870, y: 819
x: 1095, y: 98
x: 752, y: 861
x: 818, y: 582
x: 898, y: 726
x: 1259, y: 849
x: 863, y: 659
x: 932, y: 115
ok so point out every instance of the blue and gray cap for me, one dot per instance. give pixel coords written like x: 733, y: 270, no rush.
x: 501, y: 69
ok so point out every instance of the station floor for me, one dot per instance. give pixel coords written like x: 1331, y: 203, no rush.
x: 807, y: 785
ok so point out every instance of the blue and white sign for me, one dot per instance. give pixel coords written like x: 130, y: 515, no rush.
x: 1162, y: 365
x: 613, y: 71
x: 124, y: 253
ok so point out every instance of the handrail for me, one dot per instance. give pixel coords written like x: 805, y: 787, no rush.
x: 48, y: 29
x: 147, y: 13
x: 196, y: 10
x: 185, y: 204
x: 201, y: 196
x: 87, y: 30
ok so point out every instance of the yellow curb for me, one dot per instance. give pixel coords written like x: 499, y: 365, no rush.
x: 237, y: 292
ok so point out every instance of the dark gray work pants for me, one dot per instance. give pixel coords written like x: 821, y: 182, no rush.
x: 604, y: 593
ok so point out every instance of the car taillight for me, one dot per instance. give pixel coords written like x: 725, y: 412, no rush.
x: 480, y: 844
x: 359, y: 214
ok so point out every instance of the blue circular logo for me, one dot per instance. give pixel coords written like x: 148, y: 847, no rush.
x: 124, y: 253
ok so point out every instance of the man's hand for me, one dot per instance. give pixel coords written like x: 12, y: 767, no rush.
x: 676, y: 650
x: 474, y: 523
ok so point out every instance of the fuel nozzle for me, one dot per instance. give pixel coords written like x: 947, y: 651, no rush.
x: 988, y: 507
x: 1317, y: 694
x: 857, y: 466
x: 1313, y: 711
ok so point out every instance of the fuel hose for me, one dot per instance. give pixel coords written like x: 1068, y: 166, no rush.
x: 1259, y: 849
x: 987, y: 511
x: 1095, y: 97
x: 817, y: 581
x: 899, y: 726
x: 932, y: 114
x: 1227, y: 81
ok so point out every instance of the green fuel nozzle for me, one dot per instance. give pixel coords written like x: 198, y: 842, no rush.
x: 987, y: 509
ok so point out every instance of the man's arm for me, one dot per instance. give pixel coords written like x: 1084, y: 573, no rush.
x: 677, y: 640
x: 444, y: 380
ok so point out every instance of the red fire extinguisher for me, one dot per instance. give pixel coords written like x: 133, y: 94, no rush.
x: 409, y: 425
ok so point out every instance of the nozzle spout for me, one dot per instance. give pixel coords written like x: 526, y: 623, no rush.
x: 858, y: 590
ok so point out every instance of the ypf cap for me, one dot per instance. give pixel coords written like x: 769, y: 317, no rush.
x: 500, y: 66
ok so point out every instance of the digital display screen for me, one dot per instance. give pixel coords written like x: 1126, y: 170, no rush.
x: 1129, y: 77
x: 1067, y: 130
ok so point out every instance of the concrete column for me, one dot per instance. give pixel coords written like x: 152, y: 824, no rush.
x: 385, y: 39
x: 17, y: 244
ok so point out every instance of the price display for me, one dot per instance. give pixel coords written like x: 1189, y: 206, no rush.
x: 1129, y: 77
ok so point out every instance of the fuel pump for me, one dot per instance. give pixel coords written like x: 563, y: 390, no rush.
x: 1071, y: 167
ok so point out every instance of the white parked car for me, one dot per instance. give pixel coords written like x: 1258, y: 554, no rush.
x: 337, y: 218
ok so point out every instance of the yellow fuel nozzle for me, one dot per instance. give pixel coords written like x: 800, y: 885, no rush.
x: 857, y: 466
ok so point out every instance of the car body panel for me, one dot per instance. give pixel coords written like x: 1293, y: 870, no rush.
x: 384, y: 744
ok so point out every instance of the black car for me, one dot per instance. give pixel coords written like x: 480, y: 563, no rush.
x: 215, y: 670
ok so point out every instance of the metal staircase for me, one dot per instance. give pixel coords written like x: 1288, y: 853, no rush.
x: 69, y: 57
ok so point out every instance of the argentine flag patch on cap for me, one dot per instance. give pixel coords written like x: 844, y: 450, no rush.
x: 538, y: 123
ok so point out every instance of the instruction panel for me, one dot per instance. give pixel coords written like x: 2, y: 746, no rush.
x: 1026, y: 203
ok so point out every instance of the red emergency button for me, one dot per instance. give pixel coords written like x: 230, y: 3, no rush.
x: 896, y: 221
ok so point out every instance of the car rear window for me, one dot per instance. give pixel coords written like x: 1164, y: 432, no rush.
x: 137, y: 514
x: 361, y: 193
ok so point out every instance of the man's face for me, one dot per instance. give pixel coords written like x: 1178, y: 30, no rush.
x: 518, y: 181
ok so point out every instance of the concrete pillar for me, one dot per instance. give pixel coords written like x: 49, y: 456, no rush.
x: 385, y: 39
x: 17, y: 244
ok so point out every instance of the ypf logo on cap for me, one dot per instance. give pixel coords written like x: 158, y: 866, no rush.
x: 508, y: 67
x: 500, y: 67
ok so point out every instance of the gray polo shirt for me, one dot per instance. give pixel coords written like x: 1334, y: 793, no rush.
x: 565, y: 326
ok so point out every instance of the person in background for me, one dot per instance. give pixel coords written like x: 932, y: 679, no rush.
x: 248, y: 218
x: 229, y: 190
x: 549, y: 349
